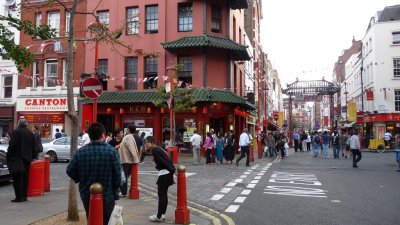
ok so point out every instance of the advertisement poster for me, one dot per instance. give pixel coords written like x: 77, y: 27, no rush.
x: 280, y: 119
x: 190, y: 126
x: 351, y: 112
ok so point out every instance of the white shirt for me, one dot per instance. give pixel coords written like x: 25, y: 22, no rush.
x: 195, y: 139
x: 387, y: 136
x: 354, y: 142
x: 244, y: 139
x: 85, y: 139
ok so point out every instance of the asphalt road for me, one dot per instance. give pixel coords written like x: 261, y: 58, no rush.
x: 302, y: 190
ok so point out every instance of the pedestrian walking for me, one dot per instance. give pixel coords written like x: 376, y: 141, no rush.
x: 142, y: 149
x: 220, y: 147
x: 387, y: 137
x: 214, y: 146
x: 57, y: 135
x: 20, y: 153
x: 325, y: 144
x: 336, y: 144
x: 208, y: 145
x: 229, y: 149
x: 316, y: 140
x: 129, y: 155
x: 116, y: 140
x: 38, y: 141
x: 397, y: 148
x: 304, y: 141
x: 308, y: 142
x: 85, y: 137
x: 271, y: 146
x: 244, y: 143
x: 296, y: 139
x: 355, y: 148
x: 97, y: 162
x: 343, y: 146
x: 195, y: 142
x: 166, y: 170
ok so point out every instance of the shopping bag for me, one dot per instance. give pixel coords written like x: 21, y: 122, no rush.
x: 265, y: 149
x: 116, y: 216
x: 123, y: 178
x: 286, y: 146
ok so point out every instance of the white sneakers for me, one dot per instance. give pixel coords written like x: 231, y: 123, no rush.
x: 154, y: 218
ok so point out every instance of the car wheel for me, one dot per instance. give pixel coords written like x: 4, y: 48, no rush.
x: 53, y: 156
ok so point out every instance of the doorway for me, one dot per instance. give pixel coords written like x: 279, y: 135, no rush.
x: 107, y: 121
x: 218, y: 124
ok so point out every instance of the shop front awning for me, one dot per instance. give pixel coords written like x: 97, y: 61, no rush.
x: 346, y: 125
x: 237, y: 51
x: 200, y: 95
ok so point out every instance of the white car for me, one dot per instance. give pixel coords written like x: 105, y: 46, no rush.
x: 59, y: 149
x: 4, y: 173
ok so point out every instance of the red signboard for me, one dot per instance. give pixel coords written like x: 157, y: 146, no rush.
x: 370, y: 95
x: 43, y: 118
x: 382, y: 117
x: 92, y: 88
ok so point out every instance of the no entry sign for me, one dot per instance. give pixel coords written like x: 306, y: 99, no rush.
x: 92, y: 88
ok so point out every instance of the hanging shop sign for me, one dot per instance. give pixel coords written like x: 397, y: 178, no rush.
x: 370, y: 95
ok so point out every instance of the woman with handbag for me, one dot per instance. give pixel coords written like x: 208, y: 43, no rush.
x: 166, y: 170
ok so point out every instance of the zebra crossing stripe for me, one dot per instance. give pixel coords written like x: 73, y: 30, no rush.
x: 240, y: 199
x: 232, y: 208
x: 217, y: 197
x: 245, y: 192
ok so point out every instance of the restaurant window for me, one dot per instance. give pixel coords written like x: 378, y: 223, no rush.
x: 185, y: 19
x: 131, y: 69
x: 132, y: 20
x: 51, y: 73
x: 152, y: 19
x: 7, y: 86
x: 185, y: 73
x: 216, y: 18
x: 150, y: 77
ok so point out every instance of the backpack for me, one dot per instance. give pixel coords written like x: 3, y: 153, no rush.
x: 317, y: 139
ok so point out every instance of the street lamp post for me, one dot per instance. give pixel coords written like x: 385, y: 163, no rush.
x: 345, y: 94
x: 258, y: 128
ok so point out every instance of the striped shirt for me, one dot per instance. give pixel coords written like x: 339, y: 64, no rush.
x: 96, y: 162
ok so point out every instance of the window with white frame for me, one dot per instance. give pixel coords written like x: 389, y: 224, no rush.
x: 35, y: 74
x: 65, y: 70
x: 104, y: 17
x: 53, y: 20
x: 67, y: 18
x: 396, y: 67
x: 396, y: 37
x: 38, y: 20
x: 150, y: 73
x: 7, y: 86
x: 51, y: 73
x: 397, y: 100
x: 185, y: 74
x: 132, y: 20
x: 152, y: 19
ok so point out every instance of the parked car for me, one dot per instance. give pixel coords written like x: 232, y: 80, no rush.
x: 59, y: 149
x: 4, y: 173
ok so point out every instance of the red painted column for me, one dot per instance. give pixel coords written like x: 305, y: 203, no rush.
x: 134, y: 191
x: 96, y: 205
x: 251, y: 152
x: 176, y: 153
x: 46, y: 173
x: 182, y: 213
x: 259, y: 149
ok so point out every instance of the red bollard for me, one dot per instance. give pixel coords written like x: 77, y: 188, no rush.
x: 259, y: 149
x: 134, y: 191
x: 96, y: 204
x: 36, y: 179
x: 176, y: 154
x: 46, y: 173
x: 251, y: 152
x: 182, y: 213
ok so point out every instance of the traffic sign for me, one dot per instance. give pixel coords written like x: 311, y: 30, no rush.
x: 92, y: 88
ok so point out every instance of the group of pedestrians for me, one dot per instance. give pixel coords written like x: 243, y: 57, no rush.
x: 302, y: 141
x: 273, y: 143
x: 217, y: 147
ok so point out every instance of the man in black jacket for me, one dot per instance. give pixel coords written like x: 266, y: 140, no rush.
x: 21, y: 146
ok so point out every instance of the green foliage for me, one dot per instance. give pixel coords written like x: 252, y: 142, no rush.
x: 183, y: 99
x: 21, y: 56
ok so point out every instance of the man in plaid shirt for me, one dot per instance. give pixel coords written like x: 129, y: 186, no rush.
x: 97, y: 162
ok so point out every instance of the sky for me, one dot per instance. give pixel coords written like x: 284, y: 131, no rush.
x: 305, y: 38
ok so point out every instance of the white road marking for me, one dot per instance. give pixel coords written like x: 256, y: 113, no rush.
x: 226, y: 190
x: 155, y: 173
x: 245, y: 192
x: 254, y: 181
x: 243, y: 176
x: 249, y: 170
x: 260, y: 174
x: 238, y: 180
x: 231, y: 184
x: 257, y: 177
x: 336, y: 201
x: 269, y: 164
x: 246, y: 173
x: 232, y: 208
x: 253, y: 168
x: 250, y: 185
x: 240, y: 199
x: 217, y: 197
x: 294, y: 178
x: 295, y: 191
x: 263, y: 171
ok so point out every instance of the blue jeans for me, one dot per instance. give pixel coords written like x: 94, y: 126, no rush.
x: 325, y: 150
x: 336, y: 151
x: 315, y: 149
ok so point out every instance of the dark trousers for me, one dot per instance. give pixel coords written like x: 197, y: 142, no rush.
x: 127, y: 171
x: 162, y: 200
x: 244, y: 150
x: 142, y: 155
x: 208, y: 155
x: 20, y: 183
x: 356, y: 156
x: 107, y: 210
x: 308, y: 146
x: 296, y: 145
